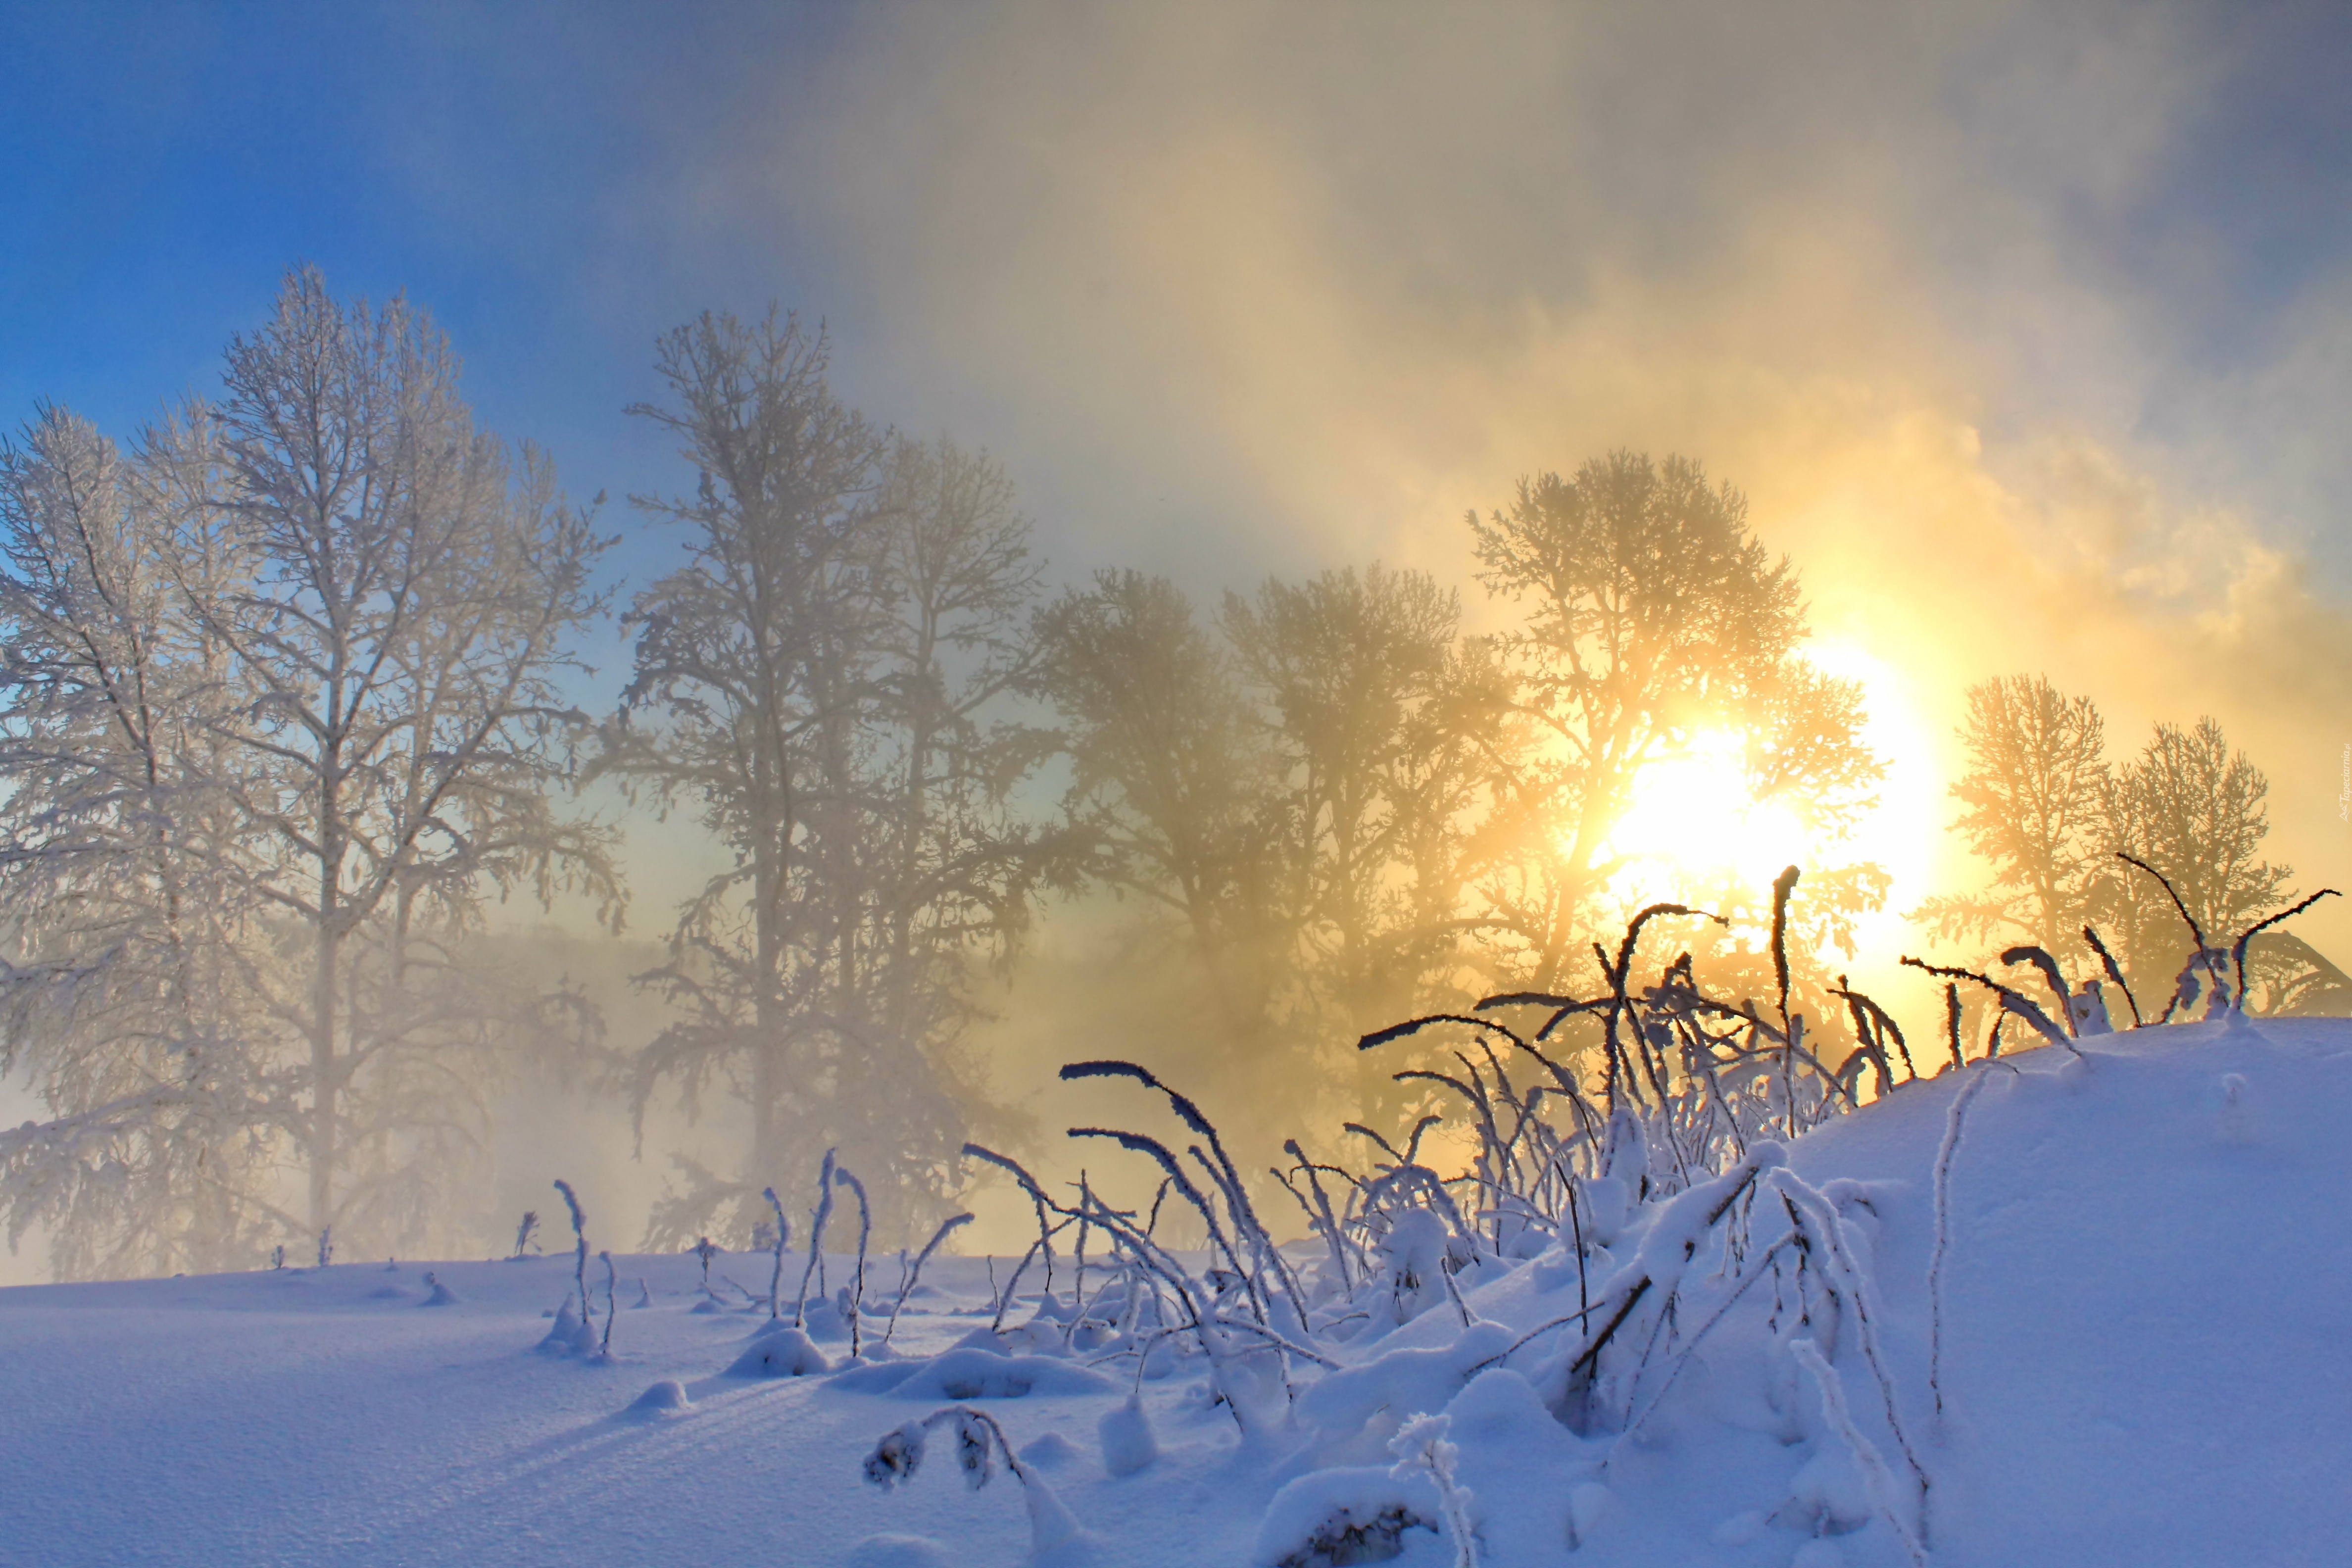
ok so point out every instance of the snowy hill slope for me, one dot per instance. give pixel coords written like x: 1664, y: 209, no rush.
x: 2144, y: 1361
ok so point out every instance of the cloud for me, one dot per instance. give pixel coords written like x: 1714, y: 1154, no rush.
x: 1247, y: 289
x: 1240, y: 290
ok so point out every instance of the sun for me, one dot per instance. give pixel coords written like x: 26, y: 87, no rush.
x: 1695, y: 826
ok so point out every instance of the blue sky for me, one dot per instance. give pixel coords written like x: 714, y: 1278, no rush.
x: 167, y: 163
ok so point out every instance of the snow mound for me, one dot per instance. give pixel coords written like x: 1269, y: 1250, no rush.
x: 1529, y: 1472
x: 1050, y: 1452
x: 973, y: 1374
x: 898, y: 1551
x: 665, y: 1398
x: 569, y: 1335
x: 780, y: 1352
x: 824, y: 1320
x: 1128, y: 1443
x: 1402, y: 1382
x: 1356, y: 1513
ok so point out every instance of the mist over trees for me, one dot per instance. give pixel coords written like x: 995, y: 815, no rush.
x: 1352, y: 811
x: 2050, y: 812
x: 295, y: 684
x: 1376, y: 712
x: 819, y: 684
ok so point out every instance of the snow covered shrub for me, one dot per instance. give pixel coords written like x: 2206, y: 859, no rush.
x: 978, y: 1443
x: 2216, y: 970
x: 1688, y: 1082
x: 526, y: 1229
x: 1416, y: 1264
x: 781, y: 1238
x: 1611, y: 1252
x: 914, y: 1276
x: 1420, y: 1447
x: 1346, y: 1515
x: 1264, y: 1259
x: 1246, y: 1316
x: 579, y: 1239
x: 1641, y: 1327
x: 2012, y: 1003
x: 815, y: 1269
x: 1612, y: 1247
x: 1046, y: 1228
x: 1878, y: 1481
x: 852, y: 1303
x: 575, y: 1333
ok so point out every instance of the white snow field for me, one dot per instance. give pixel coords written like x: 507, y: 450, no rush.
x: 2147, y: 1288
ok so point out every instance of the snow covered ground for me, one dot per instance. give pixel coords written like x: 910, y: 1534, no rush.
x: 2144, y: 1361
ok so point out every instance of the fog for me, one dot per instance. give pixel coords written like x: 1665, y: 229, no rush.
x: 2008, y: 325
x: 2026, y: 332
x: 2002, y: 321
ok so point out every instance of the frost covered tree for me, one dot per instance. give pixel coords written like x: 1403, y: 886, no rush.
x: 337, y: 616
x: 123, y: 981
x: 819, y: 684
x: 1354, y: 813
x: 958, y: 581
x: 1653, y: 617
x: 2193, y: 808
x: 405, y: 600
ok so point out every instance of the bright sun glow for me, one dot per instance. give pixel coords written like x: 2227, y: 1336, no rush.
x: 1692, y: 822
x: 1694, y: 826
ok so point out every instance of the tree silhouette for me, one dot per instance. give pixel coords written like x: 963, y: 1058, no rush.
x: 2044, y: 808
x: 815, y: 684
x: 2036, y: 794
x: 2193, y: 808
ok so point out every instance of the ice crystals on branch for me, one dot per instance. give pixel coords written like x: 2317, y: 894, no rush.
x: 282, y: 691
x: 898, y: 1456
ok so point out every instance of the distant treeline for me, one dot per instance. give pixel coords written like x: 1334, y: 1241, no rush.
x: 288, y: 699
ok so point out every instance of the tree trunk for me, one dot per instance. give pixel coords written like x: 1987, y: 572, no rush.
x: 325, y: 1089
